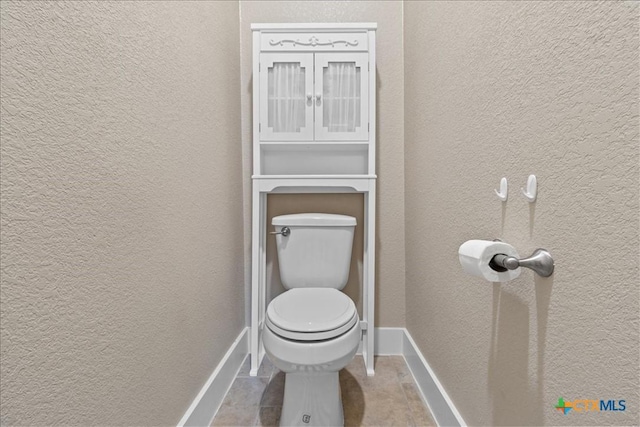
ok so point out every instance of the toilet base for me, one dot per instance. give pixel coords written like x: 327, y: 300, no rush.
x: 312, y: 399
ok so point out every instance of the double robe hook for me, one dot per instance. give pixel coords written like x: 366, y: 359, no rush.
x: 530, y: 193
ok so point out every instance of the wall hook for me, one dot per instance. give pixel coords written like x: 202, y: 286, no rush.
x: 502, y: 195
x: 532, y: 189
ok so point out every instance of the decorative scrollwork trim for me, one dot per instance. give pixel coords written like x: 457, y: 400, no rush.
x: 313, y: 41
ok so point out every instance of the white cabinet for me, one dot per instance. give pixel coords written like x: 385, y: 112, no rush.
x: 314, y: 100
x: 314, y: 96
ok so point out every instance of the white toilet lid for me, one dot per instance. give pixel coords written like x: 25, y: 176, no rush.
x: 311, y: 314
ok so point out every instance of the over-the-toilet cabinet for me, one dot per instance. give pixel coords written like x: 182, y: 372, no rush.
x: 313, y: 132
x: 314, y: 99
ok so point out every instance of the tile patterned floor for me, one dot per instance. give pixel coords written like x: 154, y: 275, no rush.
x: 390, y: 398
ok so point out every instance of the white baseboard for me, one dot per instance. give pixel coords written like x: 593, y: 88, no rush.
x: 433, y: 393
x: 388, y: 342
x: 210, y: 397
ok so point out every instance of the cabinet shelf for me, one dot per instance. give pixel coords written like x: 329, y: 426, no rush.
x: 286, y: 98
x: 314, y: 159
x: 314, y: 143
x: 310, y: 177
x: 342, y: 98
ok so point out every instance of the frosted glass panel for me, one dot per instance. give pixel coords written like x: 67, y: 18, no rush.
x: 285, y: 97
x: 341, y: 93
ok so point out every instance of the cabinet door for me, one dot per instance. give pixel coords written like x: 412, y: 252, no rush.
x: 286, y: 96
x: 342, y: 97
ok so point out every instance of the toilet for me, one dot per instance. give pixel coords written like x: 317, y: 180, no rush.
x: 312, y: 330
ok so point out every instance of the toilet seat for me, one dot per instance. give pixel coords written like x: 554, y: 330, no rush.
x: 311, y: 314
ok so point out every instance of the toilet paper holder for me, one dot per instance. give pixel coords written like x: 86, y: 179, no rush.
x: 540, y: 261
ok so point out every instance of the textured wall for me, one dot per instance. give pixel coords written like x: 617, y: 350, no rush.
x: 497, y: 89
x: 121, y: 200
x: 390, y: 300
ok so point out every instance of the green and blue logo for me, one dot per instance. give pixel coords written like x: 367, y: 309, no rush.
x: 590, y: 405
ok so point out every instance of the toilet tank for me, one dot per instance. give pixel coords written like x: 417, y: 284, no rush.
x: 317, y: 251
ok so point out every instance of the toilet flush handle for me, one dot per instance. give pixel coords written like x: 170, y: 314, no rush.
x: 285, y: 231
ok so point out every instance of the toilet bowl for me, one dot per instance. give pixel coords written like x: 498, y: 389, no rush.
x: 311, y: 334
x: 312, y: 330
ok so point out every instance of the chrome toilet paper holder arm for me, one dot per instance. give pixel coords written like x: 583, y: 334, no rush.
x: 540, y: 261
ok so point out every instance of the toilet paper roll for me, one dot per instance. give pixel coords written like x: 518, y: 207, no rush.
x: 475, y: 256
